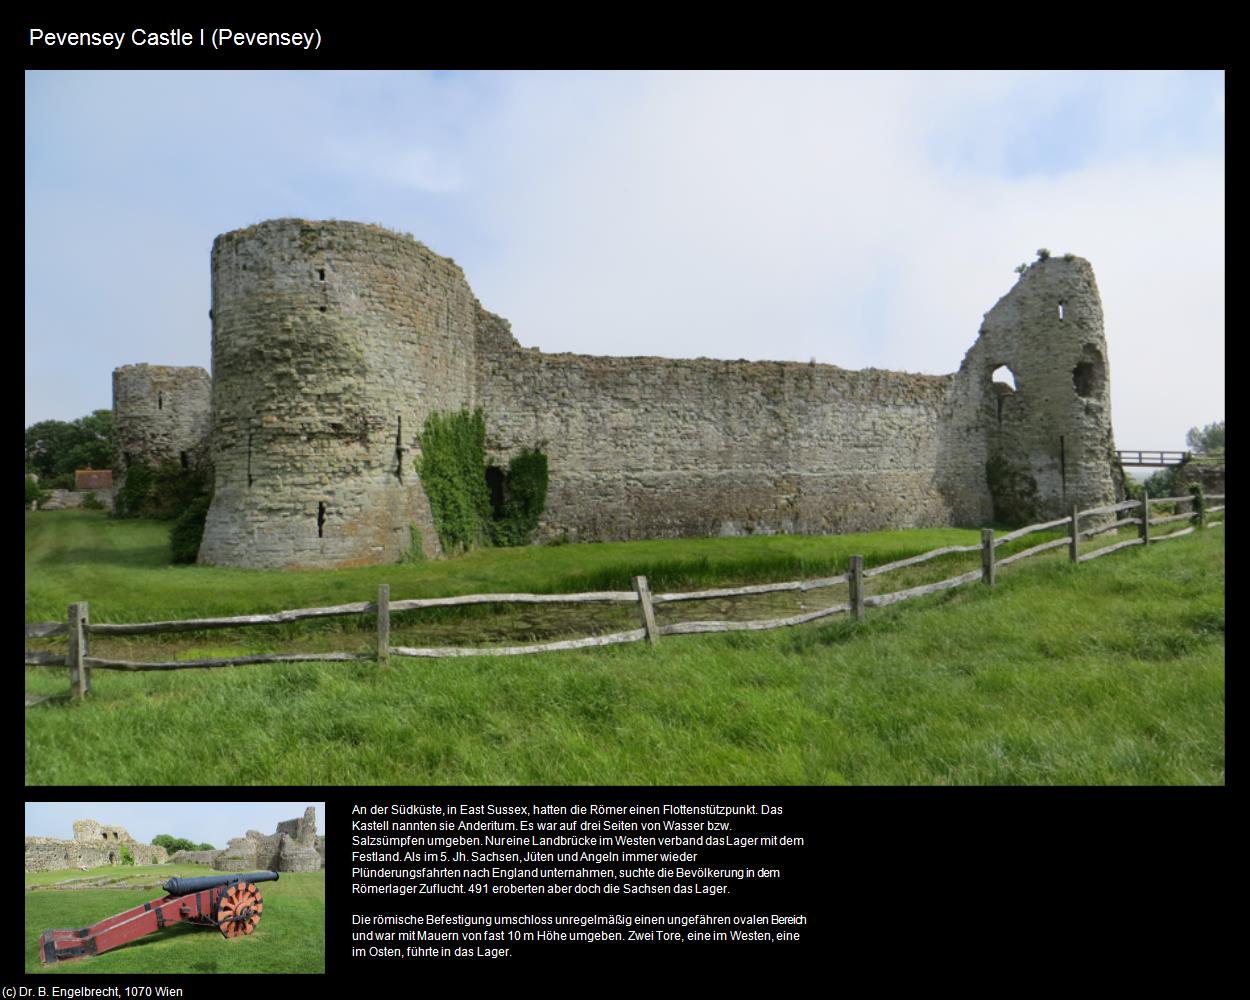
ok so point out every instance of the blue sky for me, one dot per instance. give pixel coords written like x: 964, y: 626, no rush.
x: 861, y: 219
x: 204, y: 822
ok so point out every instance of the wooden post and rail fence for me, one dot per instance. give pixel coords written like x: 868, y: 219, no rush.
x: 78, y: 629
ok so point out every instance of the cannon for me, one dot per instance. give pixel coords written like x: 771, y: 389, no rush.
x: 229, y: 902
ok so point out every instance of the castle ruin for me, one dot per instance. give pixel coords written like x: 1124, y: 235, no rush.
x: 333, y: 341
x: 293, y: 847
x: 94, y: 845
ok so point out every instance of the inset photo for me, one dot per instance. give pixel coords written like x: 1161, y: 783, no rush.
x: 175, y: 887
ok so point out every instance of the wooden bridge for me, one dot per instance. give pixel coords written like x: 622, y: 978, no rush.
x: 1156, y: 459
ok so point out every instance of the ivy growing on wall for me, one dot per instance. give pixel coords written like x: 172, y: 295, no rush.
x: 453, y: 470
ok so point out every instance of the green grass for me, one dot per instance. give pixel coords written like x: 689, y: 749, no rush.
x: 289, y: 938
x: 1110, y: 672
x: 123, y: 568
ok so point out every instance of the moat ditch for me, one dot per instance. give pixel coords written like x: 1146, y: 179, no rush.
x: 517, y: 624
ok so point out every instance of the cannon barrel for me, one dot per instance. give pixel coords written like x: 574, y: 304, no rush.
x: 182, y: 886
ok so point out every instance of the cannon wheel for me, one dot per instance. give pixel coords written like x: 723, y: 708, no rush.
x: 239, y: 910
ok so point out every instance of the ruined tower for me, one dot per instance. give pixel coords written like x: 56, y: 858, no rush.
x: 1048, y: 439
x: 160, y: 414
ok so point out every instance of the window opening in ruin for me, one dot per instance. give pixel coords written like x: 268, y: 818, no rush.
x: 112, y: 858
x: 249, y: 460
x: 321, y: 519
x: 321, y: 308
x: 186, y: 462
x: 1061, y: 312
x: 321, y: 274
x: 1003, y: 382
x: 399, y: 447
x: 1087, y: 375
x: 126, y: 457
x: 104, y: 836
x: 160, y: 401
x: 494, y: 483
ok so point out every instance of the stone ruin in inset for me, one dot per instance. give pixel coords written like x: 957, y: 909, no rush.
x: 93, y: 846
x: 293, y: 847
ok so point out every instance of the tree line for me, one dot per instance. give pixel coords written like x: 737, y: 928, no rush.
x: 55, y: 448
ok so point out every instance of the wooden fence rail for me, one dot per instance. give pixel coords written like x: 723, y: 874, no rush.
x: 78, y: 628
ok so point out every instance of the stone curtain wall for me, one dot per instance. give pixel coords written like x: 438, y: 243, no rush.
x: 293, y: 847
x: 160, y: 414
x: 93, y: 846
x: 652, y: 447
x: 331, y: 343
x: 1209, y: 477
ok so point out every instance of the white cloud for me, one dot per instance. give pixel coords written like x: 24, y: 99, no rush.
x: 865, y: 219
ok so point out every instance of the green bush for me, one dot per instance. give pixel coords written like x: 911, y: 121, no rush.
x: 135, y: 495
x: 65, y: 481
x: 188, y: 530
x: 127, y: 857
x: 1162, y: 483
x: 525, y: 496
x: 172, y: 843
x: 33, y: 493
x: 165, y: 492
x: 92, y: 502
x: 453, y: 470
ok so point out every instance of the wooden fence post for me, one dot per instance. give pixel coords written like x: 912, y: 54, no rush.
x: 1145, y: 517
x: 987, y: 556
x: 79, y: 676
x: 384, y: 624
x: 855, y: 583
x: 1075, y: 536
x: 645, y: 611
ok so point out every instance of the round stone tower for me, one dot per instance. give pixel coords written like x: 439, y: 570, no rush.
x: 1048, y: 440
x: 332, y: 341
x: 160, y: 414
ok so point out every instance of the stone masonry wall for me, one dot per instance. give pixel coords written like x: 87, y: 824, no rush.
x: 1209, y: 475
x: 72, y: 499
x: 332, y: 341
x: 94, y: 845
x: 293, y: 847
x: 160, y: 413
x: 652, y: 447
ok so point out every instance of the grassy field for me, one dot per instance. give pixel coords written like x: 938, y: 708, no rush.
x: 289, y: 938
x: 1110, y: 672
